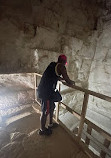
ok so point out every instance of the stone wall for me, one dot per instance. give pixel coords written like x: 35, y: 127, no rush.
x: 29, y: 29
x: 100, y: 72
x: 33, y: 33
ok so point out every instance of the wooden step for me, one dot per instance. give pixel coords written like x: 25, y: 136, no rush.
x: 69, y: 120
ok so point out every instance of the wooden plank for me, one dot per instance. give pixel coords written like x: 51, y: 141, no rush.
x: 37, y: 102
x: 70, y: 110
x: 106, y: 144
x: 98, y: 129
x: 89, y: 130
x: 104, y: 97
x: 83, y: 114
x: 35, y: 86
x: 98, y: 143
x: 57, y: 106
x: 57, y: 111
x: 37, y: 108
x: 38, y: 74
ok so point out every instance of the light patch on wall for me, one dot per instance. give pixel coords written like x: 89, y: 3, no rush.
x: 36, y: 58
x: 36, y: 54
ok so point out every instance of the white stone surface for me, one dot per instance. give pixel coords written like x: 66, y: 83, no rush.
x: 100, y: 72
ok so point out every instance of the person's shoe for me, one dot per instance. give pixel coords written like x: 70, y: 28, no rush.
x: 45, y: 132
x: 53, y: 125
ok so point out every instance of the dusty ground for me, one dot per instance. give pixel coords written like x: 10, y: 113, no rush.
x: 58, y: 145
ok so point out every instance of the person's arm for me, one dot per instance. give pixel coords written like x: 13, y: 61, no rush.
x: 63, y: 72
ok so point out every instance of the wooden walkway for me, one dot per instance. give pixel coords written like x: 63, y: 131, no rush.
x: 58, y: 145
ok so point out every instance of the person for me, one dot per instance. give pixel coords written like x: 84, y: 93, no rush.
x: 54, y: 72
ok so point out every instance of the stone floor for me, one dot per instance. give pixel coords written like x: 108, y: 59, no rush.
x: 28, y: 144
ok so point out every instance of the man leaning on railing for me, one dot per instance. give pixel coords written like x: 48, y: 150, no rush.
x: 46, y: 92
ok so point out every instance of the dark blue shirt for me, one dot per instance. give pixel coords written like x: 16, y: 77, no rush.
x: 48, y: 82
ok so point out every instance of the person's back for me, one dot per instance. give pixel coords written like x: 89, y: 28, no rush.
x: 48, y: 81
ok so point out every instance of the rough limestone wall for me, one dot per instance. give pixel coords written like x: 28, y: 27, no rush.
x: 40, y: 30
x: 100, y: 73
x: 15, y: 55
x: 81, y: 54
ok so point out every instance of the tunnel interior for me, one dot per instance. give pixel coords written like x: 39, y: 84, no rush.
x: 35, y: 32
